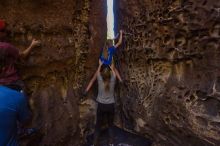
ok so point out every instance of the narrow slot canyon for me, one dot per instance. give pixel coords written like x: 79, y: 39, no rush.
x: 169, y: 60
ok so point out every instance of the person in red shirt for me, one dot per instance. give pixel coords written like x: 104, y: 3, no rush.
x: 10, y: 79
x: 9, y: 55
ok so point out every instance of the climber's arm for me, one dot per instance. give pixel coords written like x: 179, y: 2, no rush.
x: 112, y: 68
x: 91, y: 82
x: 94, y: 77
x: 120, y: 40
x: 26, y: 52
x: 118, y: 75
x: 115, y: 72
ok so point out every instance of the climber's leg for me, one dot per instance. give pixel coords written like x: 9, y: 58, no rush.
x: 110, y: 119
x: 99, y: 121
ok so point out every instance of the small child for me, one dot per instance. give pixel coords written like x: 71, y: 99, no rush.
x: 109, y: 50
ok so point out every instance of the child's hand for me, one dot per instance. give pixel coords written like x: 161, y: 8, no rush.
x: 121, y: 31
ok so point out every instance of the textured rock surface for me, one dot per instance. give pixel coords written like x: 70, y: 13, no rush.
x: 97, y: 31
x: 170, y: 61
x: 53, y: 72
x: 171, y: 64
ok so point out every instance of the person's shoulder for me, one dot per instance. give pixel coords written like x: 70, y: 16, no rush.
x: 11, y: 94
x: 8, y: 47
x: 5, y: 44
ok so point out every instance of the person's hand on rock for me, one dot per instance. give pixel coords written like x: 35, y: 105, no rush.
x: 35, y: 43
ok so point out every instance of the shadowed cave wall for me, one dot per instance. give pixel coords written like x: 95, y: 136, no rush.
x: 169, y: 60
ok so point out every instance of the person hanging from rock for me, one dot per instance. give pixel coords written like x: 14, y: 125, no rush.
x: 13, y: 102
x: 109, y: 50
x: 106, y: 77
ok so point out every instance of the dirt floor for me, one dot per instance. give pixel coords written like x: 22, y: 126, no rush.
x: 122, y: 138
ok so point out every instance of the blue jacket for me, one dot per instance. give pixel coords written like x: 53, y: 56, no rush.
x: 13, y: 109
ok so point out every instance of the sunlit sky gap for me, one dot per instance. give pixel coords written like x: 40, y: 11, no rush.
x: 110, y: 20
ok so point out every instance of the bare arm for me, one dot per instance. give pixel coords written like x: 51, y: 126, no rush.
x: 94, y: 77
x: 27, y: 51
x: 91, y: 82
x: 118, y: 75
x: 115, y: 72
x: 112, y: 68
x: 120, y: 40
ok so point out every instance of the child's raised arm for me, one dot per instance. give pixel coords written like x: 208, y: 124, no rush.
x: 120, y: 40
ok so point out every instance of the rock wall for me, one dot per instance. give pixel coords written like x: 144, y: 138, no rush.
x: 53, y: 73
x: 171, y: 65
x: 169, y: 60
x: 97, y: 35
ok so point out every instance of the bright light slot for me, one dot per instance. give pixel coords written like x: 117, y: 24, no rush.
x: 110, y: 20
